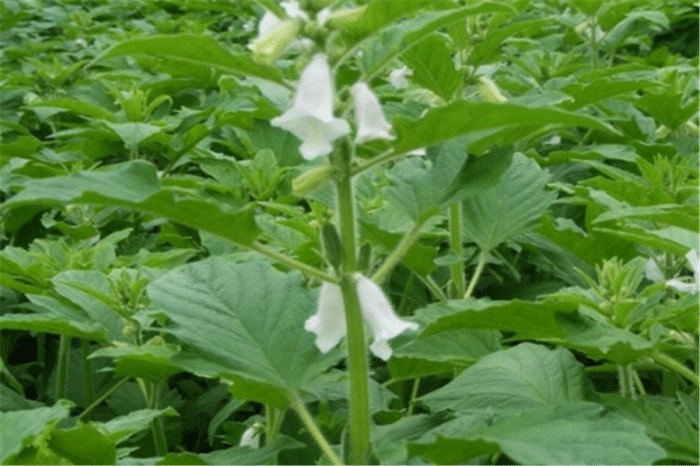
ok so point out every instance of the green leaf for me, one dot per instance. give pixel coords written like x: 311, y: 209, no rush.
x: 526, y: 376
x: 53, y: 324
x: 529, y: 319
x: 588, y: 92
x: 683, y: 216
x: 421, y: 188
x: 135, y: 185
x: 433, y: 68
x: 575, y: 433
x: 508, y: 208
x: 194, y: 53
x: 662, y: 422
x: 122, y: 427
x: 146, y: 361
x: 264, y: 455
x: 18, y: 429
x: 671, y: 239
x: 77, y: 106
x: 83, y: 444
x: 389, y: 441
x: 133, y: 133
x: 453, y: 120
x: 245, y: 323
x: 442, y: 352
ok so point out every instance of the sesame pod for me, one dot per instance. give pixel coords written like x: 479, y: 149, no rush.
x: 332, y: 247
x: 311, y: 180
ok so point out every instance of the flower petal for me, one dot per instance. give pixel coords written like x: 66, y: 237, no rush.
x: 371, y: 123
x: 377, y: 311
x: 397, y: 77
x: 653, y: 272
x: 329, y: 321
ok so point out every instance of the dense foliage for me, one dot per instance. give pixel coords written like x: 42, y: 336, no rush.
x: 163, y: 244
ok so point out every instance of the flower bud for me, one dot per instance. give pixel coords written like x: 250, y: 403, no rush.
x: 488, y: 90
x: 266, y: 49
x: 312, y: 180
x: 371, y: 123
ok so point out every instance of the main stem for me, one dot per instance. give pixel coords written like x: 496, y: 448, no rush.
x: 357, y: 353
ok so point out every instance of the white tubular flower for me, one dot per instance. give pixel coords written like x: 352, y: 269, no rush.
x: 377, y: 311
x: 397, y: 77
x: 653, y: 272
x: 251, y: 437
x: 329, y: 322
x: 371, y: 123
x: 311, y: 116
x: 293, y: 10
x: 694, y: 260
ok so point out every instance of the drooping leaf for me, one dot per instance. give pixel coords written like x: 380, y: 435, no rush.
x: 194, y: 54
x: 526, y: 376
x: 575, y: 433
x: 461, y: 117
x: 134, y: 185
x: 83, y: 444
x: 146, y: 361
x: 510, y: 207
x: 18, y: 429
x: 122, y: 427
x: 433, y: 68
x: 243, y: 322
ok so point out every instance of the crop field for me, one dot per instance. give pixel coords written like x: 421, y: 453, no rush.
x: 349, y: 232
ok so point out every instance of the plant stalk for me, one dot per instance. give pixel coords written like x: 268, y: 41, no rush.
x: 102, y: 397
x: 399, y: 251
x: 87, y: 373
x: 62, y: 369
x: 455, y: 222
x: 677, y: 367
x: 292, y: 263
x: 357, y: 352
x: 159, y: 440
x: 298, y: 406
x: 483, y: 256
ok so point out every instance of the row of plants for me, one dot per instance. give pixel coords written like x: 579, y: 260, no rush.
x: 361, y: 232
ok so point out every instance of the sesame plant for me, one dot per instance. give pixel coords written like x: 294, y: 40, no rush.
x: 349, y: 232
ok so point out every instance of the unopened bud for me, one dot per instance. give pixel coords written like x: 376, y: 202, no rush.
x: 268, y: 48
x: 488, y: 91
x: 332, y: 247
x: 312, y: 180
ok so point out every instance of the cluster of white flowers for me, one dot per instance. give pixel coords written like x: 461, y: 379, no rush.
x: 329, y: 322
x: 311, y: 119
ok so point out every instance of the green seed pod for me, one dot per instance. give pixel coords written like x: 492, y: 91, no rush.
x: 332, y: 247
x: 364, y: 257
x: 311, y: 180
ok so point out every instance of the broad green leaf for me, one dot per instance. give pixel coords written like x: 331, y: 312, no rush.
x: 264, y: 455
x: 194, y: 53
x: 52, y: 324
x: 10, y: 400
x: 91, y: 291
x: 526, y: 376
x: 682, y: 216
x: 453, y: 120
x: 245, y: 323
x: 662, y: 422
x: 77, y: 106
x: 18, y: 429
x: 83, y: 444
x: 146, y: 361
x: 508, y: 208
x: 442, y: 351
x: 529, y: 319
x: 133, y: 133
x: 601, y: 340
x: 589, y: 92
x: 421, y: 188
x: 433, y: 67
x: 134, y: 185
x: 121, y: 428
x: 395, y: 40
x: 389, y: 441
x: 670, y: 239
x: 596, y: 152
x: 668, y: 108
x: 575, y: 433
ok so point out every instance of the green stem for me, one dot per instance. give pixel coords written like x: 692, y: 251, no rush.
x: 414, y: 394
x: 434, y: 288
x: 273, y: 420
x: 357, y: 352
x: 102, y: 397
x: 455, y: 222
x: 676, y: 366
x: 399, y: 251
x: 374, y: 161
x: 87, y: 373
x: 159, y: 440
x: 61, y: 370
x: 622, y: 380
x: 293, y: 263
x: 298, y: 406
x: 638, y: 383
x: 483, y: 256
